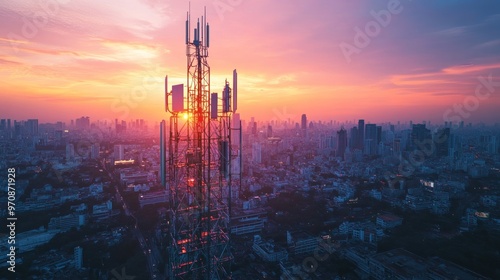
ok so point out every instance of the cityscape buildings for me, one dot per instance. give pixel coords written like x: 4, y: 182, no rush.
x: 356, y: 140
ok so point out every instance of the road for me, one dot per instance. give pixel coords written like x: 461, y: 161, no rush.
x: 152, y: 256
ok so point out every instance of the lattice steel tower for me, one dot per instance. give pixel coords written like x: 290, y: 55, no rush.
x: 196, y: 169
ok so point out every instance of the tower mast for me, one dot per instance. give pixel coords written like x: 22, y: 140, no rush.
x: 198, y: 167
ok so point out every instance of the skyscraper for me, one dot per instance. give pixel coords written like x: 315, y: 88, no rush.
x: 31, y: 127
x: 83, y: 123
x: 419, y: 136
x: 256, y: 153
x: 371, y: 139
x: 379, y: 134
x: 442, y: 140
x: 118, y: 152
x: 303, y: 122
x: 303, y: 125
x: 342, y: 142
x: 361, y: 134
x: 253, y: 126
x: 493, y: 145
x: 454, y: 149
x: 269, y: 131
x: 17, y: 128
x: 3, y: 124
x: 371, y: 131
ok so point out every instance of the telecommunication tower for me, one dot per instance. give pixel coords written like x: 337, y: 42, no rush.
x: 196, y: 166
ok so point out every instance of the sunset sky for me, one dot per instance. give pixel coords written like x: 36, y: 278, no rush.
x: 63, y: 59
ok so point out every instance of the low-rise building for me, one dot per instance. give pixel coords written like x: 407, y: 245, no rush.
x: 268, y: 251
x: 301, y: 243
x: 65, y: 223
x: 360, y: 255
x: 248, y: 221
x: 418, y: 202
x: 402, y: 264
x: 153, y: 198
x: 397, y: 264
x: 440, y: 269
x: 389, y: 220
x: 29, y: 240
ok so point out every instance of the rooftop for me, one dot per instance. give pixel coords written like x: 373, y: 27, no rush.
x: 388, y: 217
x: 402, y: 262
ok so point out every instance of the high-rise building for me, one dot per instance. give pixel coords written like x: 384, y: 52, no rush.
x: 253, y: 126
x: 70, y: 152
x: 379, y: 134
x: 454, y: 149
x: 442, y: 140
x: 419, y: 136
x: 78, y: 257
x: 83, y: 123
x: 330, y: 142
x: 371, y: 131
x: 269, y: 131
x: 118, y: 152
x: 31, y: 127
x: 361, y: 134
x: 124, y: 126
x: 59, y: 126
x: 58, y: 135
x: 493, y: 145
x: 303, y: 125
x: 324, y: 142
x: 396, y: 149
x: 371, y: 139
x: 342, y: 142
x: 120, y: 127
x: 17, y: 128
x: 256, y: 153
x: 94, y: 151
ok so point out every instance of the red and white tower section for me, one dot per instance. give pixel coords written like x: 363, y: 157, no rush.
x: 196, y: 158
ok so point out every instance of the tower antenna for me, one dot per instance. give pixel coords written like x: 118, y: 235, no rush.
x: 198, y: 168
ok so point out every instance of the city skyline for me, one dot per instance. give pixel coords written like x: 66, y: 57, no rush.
x: 234, y: 139
x: 117, y: 124
x: 384, y: 61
